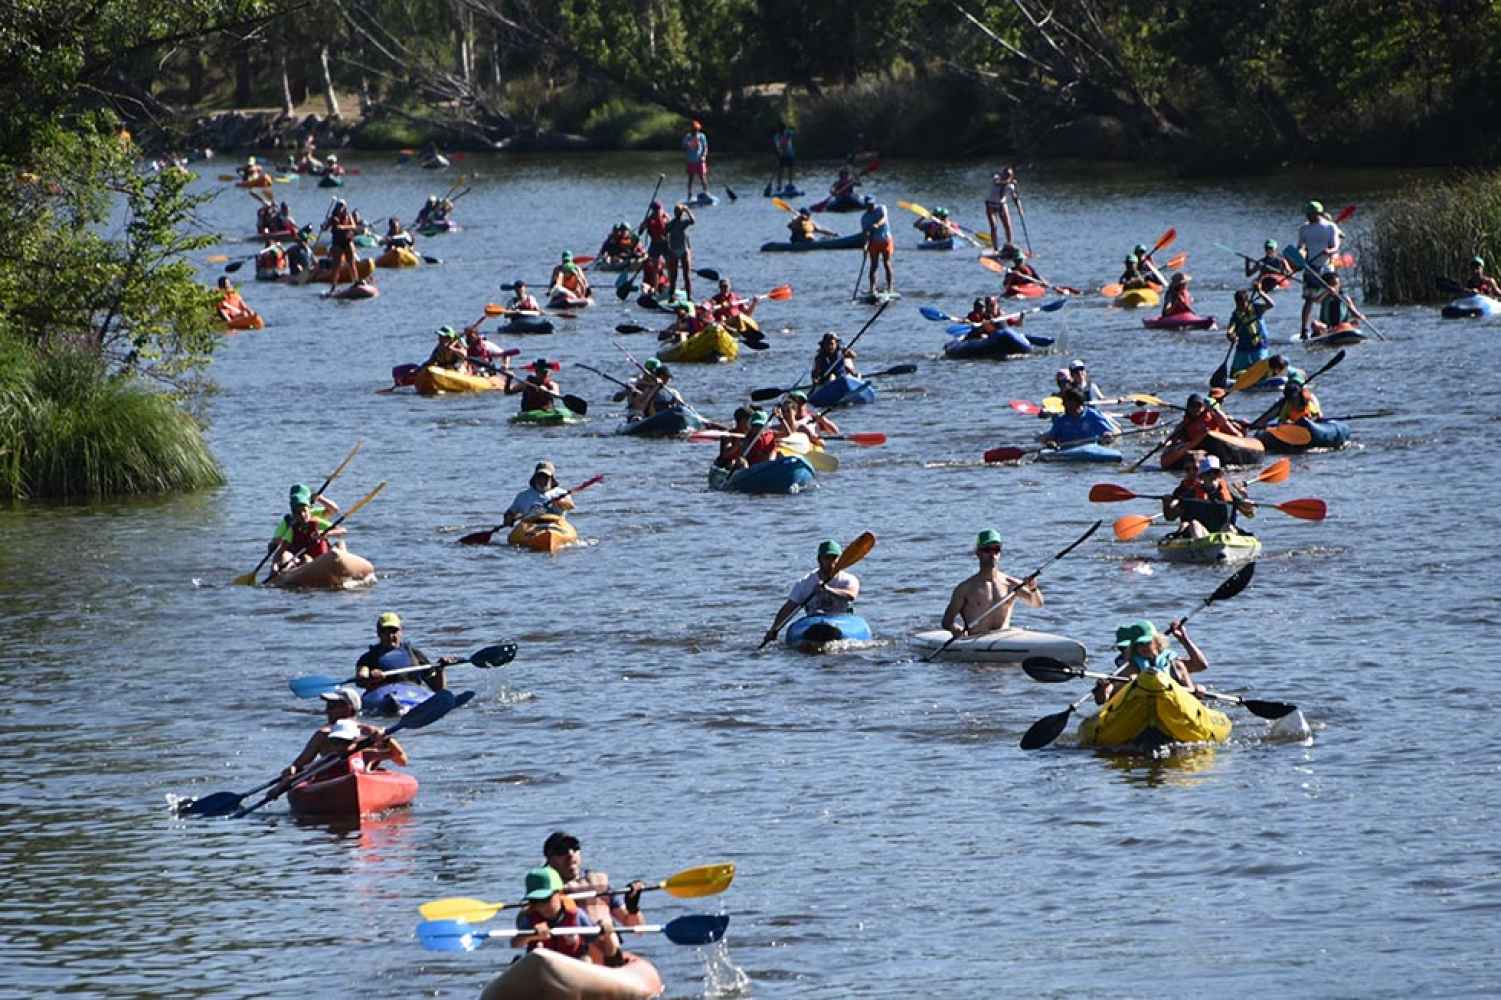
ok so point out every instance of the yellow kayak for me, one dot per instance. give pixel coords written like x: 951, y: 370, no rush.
x: 398, y: 257
x: 1153, y: 710
x: 431, y: 381
x: 543, y: 533
x: 712, y: 343
x: 741, y: 324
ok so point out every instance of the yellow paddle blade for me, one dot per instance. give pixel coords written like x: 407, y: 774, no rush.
x: 983, y: 238
x: 821, y: 461
x: 217, y: 258
x: 1277, y: 472
x: 1145, y: 399
x: 914, y: 208
x: 779, y: 203
x: 472, y: 911
x: 1252, y: 375
x: 244, y: 580
x: 1130, y: 526
x: 853, y: 553
x: 1291, y: 434
x: 1052, y: 404
x: 707, y: 880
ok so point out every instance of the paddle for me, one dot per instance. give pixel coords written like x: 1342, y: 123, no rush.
x: 454, y: 935
x: 1272, y: 410
x: 859, y: 274
x: 313, y: 685
x: 248, y: 579
x: 1051, y: 671
x: 853, y: 553
x: 1363, y: 416
x: 1007, y: 454
x: 864, y: 439
x: 337, y: 521
x: 1277, y: 472
x: 1013, y: 591
x: 483, y: 537
x: 577, y: 404
x: 1021, y: 214
x: 761, y: 395
x: 1113, y: 289
x: 424, y: 713
x: 991, y: 264
x: 772, y: 392
x: 974, y: 239
x: 798, y: 443
x: 964, y: 326
x: 1296, y: 259
x: 690, y: 883
x: 1130, y: 526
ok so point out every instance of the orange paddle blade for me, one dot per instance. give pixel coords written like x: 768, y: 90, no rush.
x: 781, y: 293
x: 991, y: 264
x: 1309, y: 509
x: 1277, y: 472
x: 867, y: 439
x: 491, y: 309
x: 779, y: 203
x: 1109, y: 493
x: 1164, y: 241
x: 1291, y: 434
x: 1131, y: 526
x: 1111, y: 290
x: 1022, y: 406
x: 217, y: 258
x: 1177, y: 260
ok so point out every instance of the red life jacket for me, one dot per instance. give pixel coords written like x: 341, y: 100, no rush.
x: 307, y: 538
x: 574, y: 946
x: 726, y: 305
x: 656, y: 225
x: 763, y: 449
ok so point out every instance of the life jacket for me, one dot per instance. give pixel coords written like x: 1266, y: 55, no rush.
x: 1214, y: 515
x: 231, y: 305
x: 531, y: 396
x: 1193, y: 429
x: 802, y: 229
x: 526, y: 304
x: 1191, y: 489
x: 763, y: 448
x: 307, y: 538
x: 1019, y: 275
x: 572, y: 945
x: 656, y: 225
x: 1249, y: 330
x: 270, y: 259
x: 727, y: 305
x: 1304, y: 406
x: 572, y: 279
x: 1332, y: 311
x: 935, y: 230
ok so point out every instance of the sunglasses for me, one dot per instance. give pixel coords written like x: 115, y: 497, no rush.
x: 989, y: 548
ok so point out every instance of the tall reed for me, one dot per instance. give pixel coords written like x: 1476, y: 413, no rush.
x: 1429, y: 233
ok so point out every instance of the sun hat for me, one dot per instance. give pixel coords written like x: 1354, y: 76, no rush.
x: 347, y: 695
x: 1316, y: 207
x: 1137, y: 631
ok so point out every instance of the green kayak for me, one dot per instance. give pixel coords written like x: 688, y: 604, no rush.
x: 546, y: 417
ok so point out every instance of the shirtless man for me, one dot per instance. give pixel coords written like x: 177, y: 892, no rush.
x: 985, y: 600
x: 564, y: 855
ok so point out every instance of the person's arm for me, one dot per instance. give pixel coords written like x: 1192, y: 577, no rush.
x: 1027, y: 590
x: 1197, y: 662
x: 785, y: 612
x: 310, y: 752
x: 950, y: 621
x: 849, y: 592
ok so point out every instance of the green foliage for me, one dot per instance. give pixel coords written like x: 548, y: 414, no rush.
x: 1431, y: 232
x: 623, y: 124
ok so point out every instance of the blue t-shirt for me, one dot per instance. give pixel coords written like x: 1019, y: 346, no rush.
x: 868, y: 223
x: 1089, y: 423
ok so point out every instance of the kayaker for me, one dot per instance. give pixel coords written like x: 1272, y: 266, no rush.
x: 727, y: 307
x: 1079, y: 380
x: 302, y: 534
x: 1298, y: 402
x: 782, y: 144
x: 821, y: 592
x: 567, y: 278
x: 449, y: 352
x: 733, y: 443
x: 661, y: 396
x: 696, y: 151
x: 1246, y: 330
x: 1271, y: 270
x: 1479, y: 282
x: 642, y: 394
x: 934, y: 227
x: 654, y: 225
x: 392, y: 652
x: 621, y: 245
x: 1079, y: 423
x: 762, y: 446
x: 1021, y: 277
x: 794, y: 416
x: 542, y: 495
x: 832, y: 361
x: 685, y: 323
x: 396, y: 236
x: 564, y: 855
x: 1002, y: 188
x: 271, y: 262
x: 1144, y: 648
x: 341, y: 227
x: 878, y: 243
x: 252, y: 173
x: 984, y: 601
x: 532, y: 398
x: 427, y: 213
x: 300, y: 252
x: 680, y: 250
x: 1140, y: 272
x: 522, y: 300
x: 339, y: 730
x: 1318, y: 240
x: 231, y: 307
x: 548, y: 909
x: 481, y: 352
x: 803, y: 228
x: 843, y: 188
x: 978, y: 312
x: 1177, y: 300
x: 285, y: 223
x: 265, y: 220
x: 1204, y: 481
x: 332, y: 167
x: 1199, y: 419
x: 1277, y: 366
x: 1333, y: 309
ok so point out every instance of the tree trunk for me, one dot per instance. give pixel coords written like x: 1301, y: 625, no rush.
x: 288, y: 108
x: 329, y: 97
x: 243, y: 77
x: 195, y: 78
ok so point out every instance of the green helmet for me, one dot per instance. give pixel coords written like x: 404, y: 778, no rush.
x: 1140, y: 248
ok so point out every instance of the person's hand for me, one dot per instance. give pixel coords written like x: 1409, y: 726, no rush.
x: 447, y: 661
x: 541, y: 932
x: 377, y: 674
x: 1176, y: 630
x: 769, y: 637
x: 633, y: 896
x: 288, y: 771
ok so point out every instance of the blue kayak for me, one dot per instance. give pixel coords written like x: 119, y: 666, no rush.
x: 1004, y: 343
x: 947, y: 243
x: 786, y: 474
x: 815, y: 630
x: 842, y: 391
x: 527, y: 323
x: 670, y: 422
x: 394, y: 698
x: 1092, y: 452
x: 1326, y: 434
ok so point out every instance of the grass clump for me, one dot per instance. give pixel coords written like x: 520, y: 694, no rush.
x: 1431, y: 232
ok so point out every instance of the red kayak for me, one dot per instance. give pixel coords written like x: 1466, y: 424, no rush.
x: 353, y: 794
x: 1025, y: 290
x: 567, y: 300
x: 1180, y: 321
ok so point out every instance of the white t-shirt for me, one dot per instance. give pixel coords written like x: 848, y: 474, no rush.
x: 821, y: 602
x: 1318, y: 238
x: 528, y: 500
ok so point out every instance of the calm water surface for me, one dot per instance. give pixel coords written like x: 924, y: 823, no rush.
x: 890, y: 838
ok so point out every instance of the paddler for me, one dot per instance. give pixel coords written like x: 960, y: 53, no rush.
x: 547, y: 908
x: 803, y: 228
x: 396, y: 236
x: 265, y: 220
x: 782, y: 144
x: 643, y: 390
x: 1277, y: 366
x: 843, y: 188
x: 542, y: 495
x: 1333, y: 310
x: 878, y: 243
x: 332, y: 167
x: 1205, y: 480
x: 300, y: 252
x: 1079, y: 423
x: 481, y: 352
x: 685, y: 323
x: 654, y: 225
x: 302, y: 535
x: 621, y: 245
x: 341, y: 227
x: 1298, y: 402
x: 392, y: 652
x: 1141, y: 647
x: 1199, y: 419
x: 1318, y: 240
x: 1019, y: 274
x: 339, y: 731
x: 522, y: 300
x: 271, y: 262
x: 1002, y: 188
x: 832, y: 361
x: 564, y: 855
x: 1079, y: 380
x: 252, y: 173
x: 1270, y: 269
x: 732, y: 311
x: 680, y: 250
x: 1177, y: 300
x: 531, y: 388
x: 762, y: 446
x: 1479, y: 282
x: 731, y: 444
x: 1140, y: 272
x: 985, y: 600
x: 567, y: 278
x: 935, y: 227
x: 231, y: 307
x: 821, y: 592
x: 696, y: 151
x: 794, y: 416
x: 1246, y: 330
x: 427, y: 213
x: 449, y: 352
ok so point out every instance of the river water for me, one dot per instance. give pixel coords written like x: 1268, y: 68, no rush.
x: 891, y: 839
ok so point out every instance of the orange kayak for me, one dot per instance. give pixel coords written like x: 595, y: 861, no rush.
x: 357, y: 793
x: 337, y: 569
x: 551, y: 975
x: 543, y: 533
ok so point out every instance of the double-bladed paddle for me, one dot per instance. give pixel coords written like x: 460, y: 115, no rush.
x: 1008, y: 454
x: 853, y: 553
x: 577, y: 404
x: 991, y: 264
x: 325, y: 532
x: 483, y: 537
x: 1295, y: 258
x: 248, y: 579
x: 1014, y: 590
x: 313, y: 685
x: 864, y: 439
x: 772, y: 392
x: 1131, y: 526
x: 1165, y: 240
x: 961, y: 327
x: 455, y: 935
x: 1272, y: 410
x: 690, y: 883
x: 760, y: 395
x: 1277, y: 472
x: 1051, y: 671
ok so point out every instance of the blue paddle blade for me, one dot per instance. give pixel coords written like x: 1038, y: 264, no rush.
x: 933, y: 313
x: 1054, y: 305
x: 312, y: 685
x: 955, y: 329
x: 448, y: 935
x: 699, y: 928
x: 1293, y: 257
x: 1037, y: 341
x: 425, y: 713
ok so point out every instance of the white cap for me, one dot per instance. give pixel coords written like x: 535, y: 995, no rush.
x: 345, y: 729
x: 350, y: 696
x: 1209, y: 464
x: 1077, y: 364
